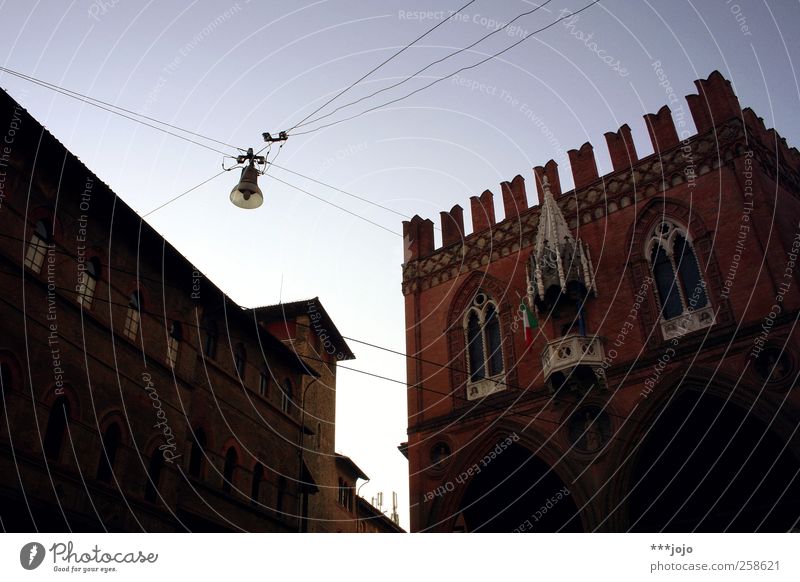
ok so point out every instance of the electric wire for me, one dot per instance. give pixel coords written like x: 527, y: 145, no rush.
x: 398, y: 53
x: 117, y: 110
x: 439, y: 80
x: 425, y: 68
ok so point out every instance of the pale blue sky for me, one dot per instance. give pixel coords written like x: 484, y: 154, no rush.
x: 231, y: 70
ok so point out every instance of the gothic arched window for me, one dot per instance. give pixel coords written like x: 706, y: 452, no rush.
x: 197, y: 453
x: 108, y: 454
x: 676, y: 272
x: 484, y: 342
x: 258, y: 476
x: 153, y: 476
x: 56, y: 428
x: 679, y: 283
x: 228, y: 469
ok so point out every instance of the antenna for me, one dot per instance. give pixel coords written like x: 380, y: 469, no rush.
x: 395, y: 516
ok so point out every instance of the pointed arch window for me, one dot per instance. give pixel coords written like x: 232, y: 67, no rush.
x: 56, y: 428
x: 258, y: 477
x: 108, y: 454
x: 41, y: 239
x: 153, y: 476
x: 5, y: 384
x: 679, y: 283
x: 680, y: 289
x: 229, y: 469
x: 239, y: 360
x: 197, y: 453
x: 484, y: 339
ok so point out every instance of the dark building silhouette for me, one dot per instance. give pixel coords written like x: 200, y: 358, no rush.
x: 136, y: 396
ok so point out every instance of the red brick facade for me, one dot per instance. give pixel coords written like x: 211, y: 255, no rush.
x: 574, y: 433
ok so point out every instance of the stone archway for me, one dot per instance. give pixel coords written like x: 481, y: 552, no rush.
x: 517, y: 491
x: 740, y: 478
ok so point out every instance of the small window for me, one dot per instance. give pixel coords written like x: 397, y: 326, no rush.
x: 263, y: 383
x: 286, y: 395
x: 258, y: 477
x: 133, y: 317
x: 239, y: 360
x: 212, y: 336
x: 345, y: 495
x: 108, y: 454
x: 197, y: 453
x: 229, y: 469
x: 41, y: 239
x: 153, y: 476
x: 87, y: 282
x: 56, y: 428
x: 173, y: 343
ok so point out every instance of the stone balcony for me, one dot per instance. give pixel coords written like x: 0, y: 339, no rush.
x: 570, y: 351
x: 688, y: 322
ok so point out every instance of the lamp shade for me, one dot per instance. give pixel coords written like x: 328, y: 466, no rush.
x: 246, y: 194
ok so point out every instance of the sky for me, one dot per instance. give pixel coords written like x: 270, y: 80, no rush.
x: 233, y: 70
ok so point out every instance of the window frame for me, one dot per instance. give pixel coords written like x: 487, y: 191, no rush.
x: 667, y: 245
x: 663, y: 238
x: 87, y: 283
x: 133, y: 317
x: 36, y: 251
x: 479, y: 308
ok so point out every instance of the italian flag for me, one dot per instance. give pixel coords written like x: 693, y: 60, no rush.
x: 529, y: 322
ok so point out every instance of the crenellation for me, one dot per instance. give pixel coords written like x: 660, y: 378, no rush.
x: 482, y: 208
x: 714, y: 103
x: 550, y: 170
x: 661, y: 128
x: 591, y: 198
x: 452, y: 225
x: 515, y: 199
x: 584, y: 166
x: 621, y: 148
x: 418, y: 237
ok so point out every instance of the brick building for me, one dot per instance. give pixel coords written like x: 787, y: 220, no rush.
x: 658, y: 391
x: 136, y: 396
